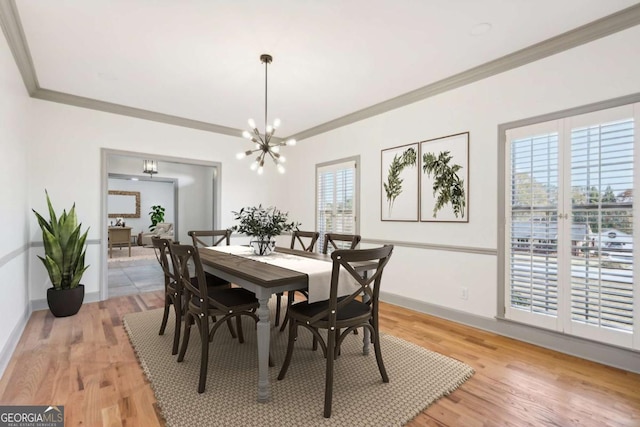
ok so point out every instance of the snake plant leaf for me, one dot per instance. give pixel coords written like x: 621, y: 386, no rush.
x: 52, y: 247
x: 43, y: 222
x: 54, y: 271
x: 53, y: 223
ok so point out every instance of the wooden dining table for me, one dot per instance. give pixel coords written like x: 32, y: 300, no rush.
x: 264, y: 280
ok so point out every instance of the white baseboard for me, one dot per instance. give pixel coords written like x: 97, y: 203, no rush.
x: 14, y: 338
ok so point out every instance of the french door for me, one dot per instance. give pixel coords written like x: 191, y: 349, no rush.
x: 569, y: 229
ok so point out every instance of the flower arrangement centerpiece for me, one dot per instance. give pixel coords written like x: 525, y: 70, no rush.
x: 262, y: 225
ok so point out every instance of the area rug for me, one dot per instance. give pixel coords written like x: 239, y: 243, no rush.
x: 137, y: 252
x: 417, y: 376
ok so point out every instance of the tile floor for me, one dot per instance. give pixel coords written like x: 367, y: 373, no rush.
x: 133, y: 277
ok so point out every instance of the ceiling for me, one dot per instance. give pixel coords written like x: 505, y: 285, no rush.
x: 199, y: 60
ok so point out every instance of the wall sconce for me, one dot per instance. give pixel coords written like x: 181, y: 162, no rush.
x: 150, y: 167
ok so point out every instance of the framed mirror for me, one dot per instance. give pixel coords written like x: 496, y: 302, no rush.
x: 125, y: 204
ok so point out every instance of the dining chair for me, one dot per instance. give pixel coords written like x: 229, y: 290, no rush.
x: 307, y: 242
x: 341, y: 315
x: 172, y: 292
x: 348, y: 241
x: 203, y: 302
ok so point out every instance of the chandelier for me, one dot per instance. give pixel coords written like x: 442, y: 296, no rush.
x: 264, y: 146
x: 150, y: 167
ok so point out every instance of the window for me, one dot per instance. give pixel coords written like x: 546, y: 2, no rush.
x: 336, y: 198
x: 569, y: 226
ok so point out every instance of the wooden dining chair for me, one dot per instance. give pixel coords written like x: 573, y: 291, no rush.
x: 204, y: 303
x: 306, y: 240
x: 341, y: 315
x: 333, y: 241
x: 172, y: 292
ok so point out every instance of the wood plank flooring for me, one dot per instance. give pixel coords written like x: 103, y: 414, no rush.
x: 87, y: 364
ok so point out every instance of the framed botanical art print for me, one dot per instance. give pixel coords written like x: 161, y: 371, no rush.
x: 444, y: 179
x: 399, y: 187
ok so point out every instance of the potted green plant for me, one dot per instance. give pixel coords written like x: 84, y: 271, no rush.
x: 64, y: 251
x: 157, y: 215
x: 262, y: 224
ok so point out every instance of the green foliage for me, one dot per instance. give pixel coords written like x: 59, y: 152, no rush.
x: 262, y: 223
x: 64, y: 247
x: 157, y: 215
x: 393, y: 186
x: 446, y: 183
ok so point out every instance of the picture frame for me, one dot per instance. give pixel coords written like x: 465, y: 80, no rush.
x: 399, y: 187
x: 123, y: 204
x: 444, y: 179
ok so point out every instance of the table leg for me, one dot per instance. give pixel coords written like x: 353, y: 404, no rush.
x: 264, y: 329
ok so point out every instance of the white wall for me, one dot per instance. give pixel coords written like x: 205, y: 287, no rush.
x: 15, y: 119
x: 601, y: 70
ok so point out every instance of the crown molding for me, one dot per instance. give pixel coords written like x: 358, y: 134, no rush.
x: 108, y: 107
x: 13, y: 32
x: 611, y: 24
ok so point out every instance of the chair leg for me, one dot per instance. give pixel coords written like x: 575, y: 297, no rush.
x: 231, y: 330
x: 239, y: 327
x: 378, y: 351
x: 331, y: 356
x: 290, y: 299
x: 204, y: 354
x: 278, y: 302
x: 293, y: 333
x: 176, y: 332
x: 165, y: 315
x: 187, y: 333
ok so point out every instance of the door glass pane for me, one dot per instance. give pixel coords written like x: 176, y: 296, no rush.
x: 533, y: 260
x: 602, y: 225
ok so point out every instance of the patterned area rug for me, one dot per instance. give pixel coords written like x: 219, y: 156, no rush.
x: 417, y: 376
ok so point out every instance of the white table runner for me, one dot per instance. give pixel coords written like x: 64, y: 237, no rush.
x: 319, y: 272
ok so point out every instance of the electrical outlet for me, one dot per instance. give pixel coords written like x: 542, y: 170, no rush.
x: 464, y: 293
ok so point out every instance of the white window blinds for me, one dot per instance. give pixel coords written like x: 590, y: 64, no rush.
x: 336, y: 199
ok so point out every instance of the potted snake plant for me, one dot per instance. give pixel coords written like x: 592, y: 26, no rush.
x: 64, y: 252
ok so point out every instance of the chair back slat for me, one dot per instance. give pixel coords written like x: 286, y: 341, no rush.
x: 217, y: 237
x: 330, y: 241
x: 298, y: 236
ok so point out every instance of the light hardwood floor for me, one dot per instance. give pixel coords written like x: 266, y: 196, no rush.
x: 86, y: 363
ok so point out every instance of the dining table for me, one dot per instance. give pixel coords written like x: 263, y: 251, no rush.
x: 265, y: 279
